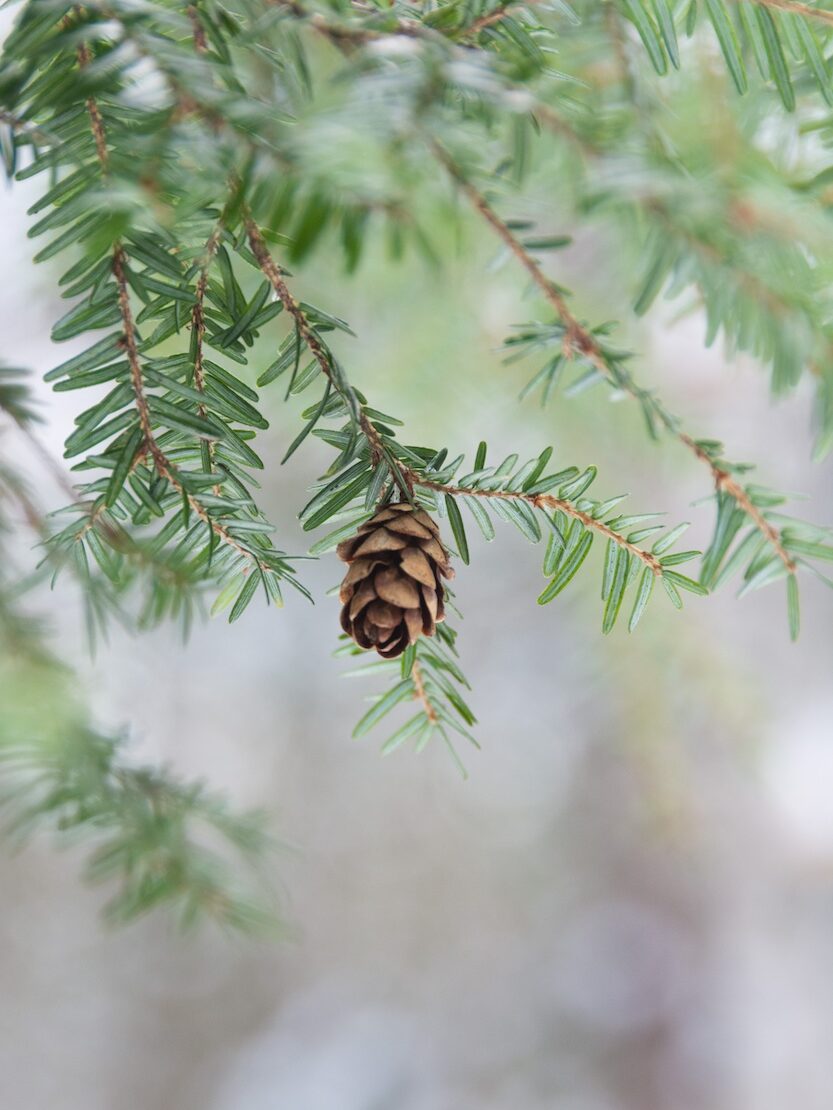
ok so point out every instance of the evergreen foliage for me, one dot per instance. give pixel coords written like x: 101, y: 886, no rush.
x: 189, y: 154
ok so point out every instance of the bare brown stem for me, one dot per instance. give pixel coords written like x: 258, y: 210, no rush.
x: 724, y: 481
x: 576, y: 337
x: 272, y: 272
x: 421, y: 694
x: 545, y: 501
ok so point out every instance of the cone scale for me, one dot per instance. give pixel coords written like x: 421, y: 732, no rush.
x: 393, y: 592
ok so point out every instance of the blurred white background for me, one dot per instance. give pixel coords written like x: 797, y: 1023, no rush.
x: 628, y: 905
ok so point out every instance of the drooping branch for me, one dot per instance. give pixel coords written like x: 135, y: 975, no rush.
x: 398, y: 469
x: 577, y: 337
x: 579, y: 340
x: 414, y: 478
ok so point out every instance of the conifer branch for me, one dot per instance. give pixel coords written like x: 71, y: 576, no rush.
x: 198, y: 311
x: 147, y: 827
x: 272, y: 272
x: 343, y: 36
x: 577, y: 339
x: 751, y: 283
x: 729, y: 485
x: 544, y: 501
x: 163, y: 465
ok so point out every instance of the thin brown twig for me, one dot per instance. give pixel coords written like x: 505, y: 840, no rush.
x: 272, y: 272
x: 488, y: 20
x: 755, y: 288
x: 724, y: 481
x: 655, y: 209
x: 546, y: 501
x: 197, y: 29
x: 578, y: 339
x: 344, y: 36
x: 560, y: 126
x: 421, y: 694
x: 36, y: 520
x: 96, y: 122
x: 92, y: 509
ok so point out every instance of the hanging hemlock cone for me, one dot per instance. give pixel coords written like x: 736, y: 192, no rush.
x: 392, y: 593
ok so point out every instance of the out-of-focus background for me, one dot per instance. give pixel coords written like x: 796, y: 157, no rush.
x: 627, y: 906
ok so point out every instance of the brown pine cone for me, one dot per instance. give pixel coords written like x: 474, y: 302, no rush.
x: 392, y: 593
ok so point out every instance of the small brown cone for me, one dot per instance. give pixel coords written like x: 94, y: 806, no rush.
x: 393, y: 594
